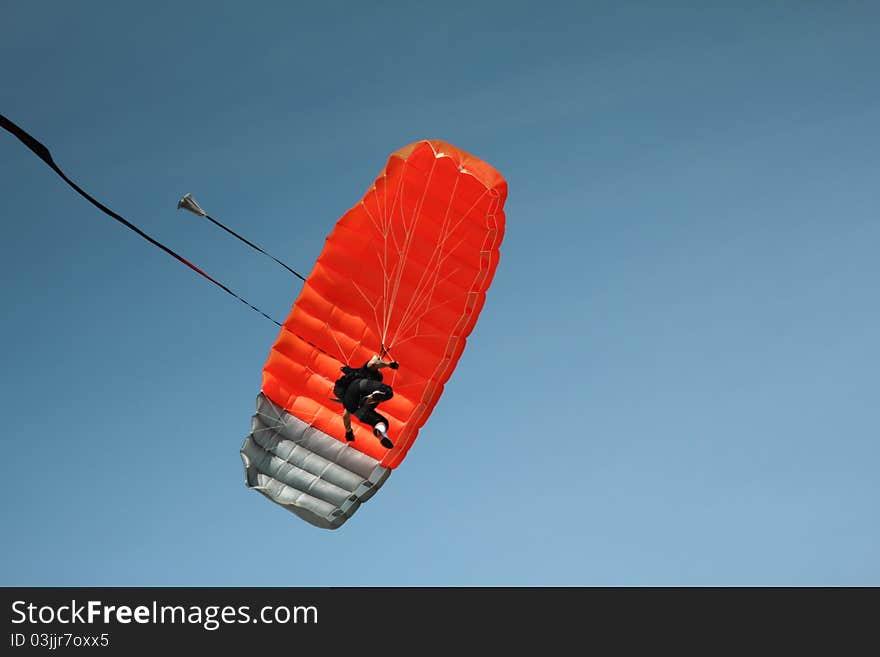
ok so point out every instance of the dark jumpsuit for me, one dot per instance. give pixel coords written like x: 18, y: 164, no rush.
x: 360, y: 383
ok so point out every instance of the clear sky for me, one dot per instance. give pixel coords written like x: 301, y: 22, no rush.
x: 674, y: 380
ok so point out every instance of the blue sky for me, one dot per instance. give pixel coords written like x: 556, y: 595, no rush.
x: 674, y: 378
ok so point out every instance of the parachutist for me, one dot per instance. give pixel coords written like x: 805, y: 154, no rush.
x: 361, y: 390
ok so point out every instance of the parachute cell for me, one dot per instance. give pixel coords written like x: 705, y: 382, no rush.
x: 404, y: 273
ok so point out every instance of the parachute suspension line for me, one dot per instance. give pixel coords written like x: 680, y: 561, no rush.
x: 342, y: 357
x: 189, y: 203
x: 423, y: 297
x: 422, y: 300
x: 385, y: 351
x: 403, y: 251
x: 43, y: 153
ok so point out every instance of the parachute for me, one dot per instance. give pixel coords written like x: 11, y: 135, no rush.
x: 404, y: 273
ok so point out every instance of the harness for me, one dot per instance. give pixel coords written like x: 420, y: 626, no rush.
x: 350, y: 375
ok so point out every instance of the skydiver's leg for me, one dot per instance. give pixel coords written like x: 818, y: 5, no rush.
x: 357, y: 392
x: 379, y: 391
x: 349, y: 403
x: 368, y: 415
x: 346, y: 420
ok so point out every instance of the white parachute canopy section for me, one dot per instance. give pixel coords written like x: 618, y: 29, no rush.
x: 296, y: 465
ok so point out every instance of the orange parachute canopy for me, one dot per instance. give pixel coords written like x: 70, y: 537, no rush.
x: 404, y: 274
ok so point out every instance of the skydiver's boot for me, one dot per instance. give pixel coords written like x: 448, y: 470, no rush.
x: 379, y: 432
x: 349, y: 435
